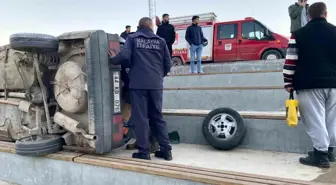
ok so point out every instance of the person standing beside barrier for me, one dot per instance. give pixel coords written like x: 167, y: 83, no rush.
x: 125, y: 34
x: 298, y: 14
x: 310, y: 70
x: 194, y: 36
x: 148, y: 59
x: 167, y: 32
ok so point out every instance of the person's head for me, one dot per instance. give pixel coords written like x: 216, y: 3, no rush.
x: 302, y: 1
x: 195, y: 19
x: 128, y: 28
x: 146, y: 22
x: 317, y: 10
x: 165, y: 17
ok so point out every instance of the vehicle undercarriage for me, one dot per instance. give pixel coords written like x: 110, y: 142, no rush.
x: 44, y: 93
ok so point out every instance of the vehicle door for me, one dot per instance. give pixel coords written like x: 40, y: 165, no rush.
x: 253, y: 40
x: 225, y: 42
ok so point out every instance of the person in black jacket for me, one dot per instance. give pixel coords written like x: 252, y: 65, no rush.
x: 195, y: 38
x: 126, y: 32
x: 310, y: 70
x: 167, y: 32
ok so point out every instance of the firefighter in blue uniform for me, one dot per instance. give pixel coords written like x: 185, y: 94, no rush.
x: 148, y: 58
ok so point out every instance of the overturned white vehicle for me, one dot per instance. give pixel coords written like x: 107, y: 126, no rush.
x: 57, y: 91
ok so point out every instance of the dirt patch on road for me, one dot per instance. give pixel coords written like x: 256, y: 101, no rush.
x: 328, y: 177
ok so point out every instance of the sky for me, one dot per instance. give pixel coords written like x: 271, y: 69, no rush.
x: 55, y: 17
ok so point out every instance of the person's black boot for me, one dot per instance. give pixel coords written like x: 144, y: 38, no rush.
x: 154, y: 147
x: 144, y: 156
x: 316, y: 158
x: 131, y: 146
x: 166, y: 155
x: 331, y: 155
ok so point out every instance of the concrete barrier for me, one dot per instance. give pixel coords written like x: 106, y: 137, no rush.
x: 256, y: 100
x: 82, y: 169
x: 252, y: 85
x: 257, y: 65
x: 226, y: 80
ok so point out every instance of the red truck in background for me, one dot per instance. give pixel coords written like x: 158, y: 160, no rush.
x: 240, y: 40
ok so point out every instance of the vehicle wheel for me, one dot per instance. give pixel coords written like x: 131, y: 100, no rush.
x: 224, y: 129
x: 38, y: 145
x: 271, y: 55
x: 176, y: 61
x: 34, y: 42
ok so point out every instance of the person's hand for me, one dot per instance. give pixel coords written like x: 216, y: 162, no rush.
x: 289, y: 89
x: 111, y: 53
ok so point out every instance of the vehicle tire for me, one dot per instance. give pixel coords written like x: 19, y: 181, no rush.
x: 224, y: 129
x: 39, y: 145
x: 35, y: 42
x: 176, y: 61
x: 271, y: 55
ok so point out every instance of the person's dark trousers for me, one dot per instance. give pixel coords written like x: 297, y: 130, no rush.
x: 170, y: 48
x: 147, y: 104
x: 154, y: 145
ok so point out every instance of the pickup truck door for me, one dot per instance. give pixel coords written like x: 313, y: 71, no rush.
x: 225, y: 42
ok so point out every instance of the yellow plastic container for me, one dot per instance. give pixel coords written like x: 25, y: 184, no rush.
x: 292, y: 111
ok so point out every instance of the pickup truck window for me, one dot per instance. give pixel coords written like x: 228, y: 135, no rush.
x: 253, y: 31
x: 227, y: 31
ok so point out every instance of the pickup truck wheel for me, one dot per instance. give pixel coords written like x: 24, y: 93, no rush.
x: 271, y: 55
x: 224, y: 129
x: 38, y: 145
x: 176, y: 61
x: 34, y: 42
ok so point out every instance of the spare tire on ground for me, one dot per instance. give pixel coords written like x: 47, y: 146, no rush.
x: 34, y: 42
x: 39, y: 145
x: 224, y: 129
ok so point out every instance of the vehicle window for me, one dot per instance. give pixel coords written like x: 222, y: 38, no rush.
x: 227, y: 31
x: 252, y: 30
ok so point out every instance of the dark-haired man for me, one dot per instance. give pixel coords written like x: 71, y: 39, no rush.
x: 195, y: 38
x: 167, y: 32
x: 125, y: 34
x: 310, y: 70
